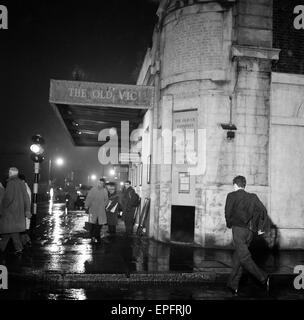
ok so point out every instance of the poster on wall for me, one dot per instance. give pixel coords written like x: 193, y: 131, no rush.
x: 185, y: 148
x: 149, y: 169
x: 140, y: 173
x: 183, y: 182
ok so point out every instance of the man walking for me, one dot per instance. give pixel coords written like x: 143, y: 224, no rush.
x: 241, y: 212
x: 129, y: 205
x: 96, y: 202
x: 112, y: 208
x: 15, y: 208
x: 25, y: 237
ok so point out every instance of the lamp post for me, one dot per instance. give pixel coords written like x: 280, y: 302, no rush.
x: 37, y: 149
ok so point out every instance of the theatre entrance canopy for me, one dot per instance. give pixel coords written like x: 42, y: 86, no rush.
x: 86, y: 108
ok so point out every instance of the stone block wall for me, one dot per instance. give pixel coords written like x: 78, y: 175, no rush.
x: 253, y: 23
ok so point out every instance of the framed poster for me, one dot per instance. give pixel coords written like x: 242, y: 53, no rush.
x: 183, y: 182
x: 140, y: 174
x: 135, y: 176
x: 149, y: 169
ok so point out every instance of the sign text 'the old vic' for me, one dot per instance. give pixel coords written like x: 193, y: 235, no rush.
x: 100, y: 94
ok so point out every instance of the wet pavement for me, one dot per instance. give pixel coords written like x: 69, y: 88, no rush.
x: 135, y: 268
x: 155, y: 292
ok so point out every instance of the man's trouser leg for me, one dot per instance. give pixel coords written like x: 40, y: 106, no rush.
x: 97, y: 231
x: 17, y: 241
x: 25, y: 238
x: 4, y: 239
x: 129, y: 217
x: 236, y: 273
x: 242, y: 238
x: 112, y: 229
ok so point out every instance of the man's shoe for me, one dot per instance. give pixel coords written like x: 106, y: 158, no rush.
x: 18, y: 252
x: 233, y: 291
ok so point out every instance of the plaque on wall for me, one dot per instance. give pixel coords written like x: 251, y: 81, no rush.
x: 185, y: 148
x: 194, y: 44
x: 183, y: 182
x: 140, y: 174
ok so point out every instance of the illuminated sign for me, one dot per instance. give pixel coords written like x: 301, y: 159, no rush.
x: 101, y: 94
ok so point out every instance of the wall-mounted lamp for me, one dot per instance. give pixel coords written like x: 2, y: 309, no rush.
x: 229, y: 127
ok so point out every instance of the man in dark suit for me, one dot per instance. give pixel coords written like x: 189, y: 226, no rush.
x: 245, y: 214
x: 129, y: 204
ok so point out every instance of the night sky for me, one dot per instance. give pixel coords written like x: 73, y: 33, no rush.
x: 106, y: 40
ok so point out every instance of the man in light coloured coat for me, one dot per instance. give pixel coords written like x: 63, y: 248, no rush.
x: 96, y: 203
x: 14, y: 209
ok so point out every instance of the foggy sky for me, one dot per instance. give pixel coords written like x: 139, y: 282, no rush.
x: 107, y: 40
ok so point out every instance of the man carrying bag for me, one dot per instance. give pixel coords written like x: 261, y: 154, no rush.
x: 95, y: 203
x: 245, y: 214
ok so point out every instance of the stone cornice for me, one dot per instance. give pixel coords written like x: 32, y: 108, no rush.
x: 255, y: 52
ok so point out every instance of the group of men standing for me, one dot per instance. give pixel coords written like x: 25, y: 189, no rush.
x: 15, y: 212
x: 104, y: 203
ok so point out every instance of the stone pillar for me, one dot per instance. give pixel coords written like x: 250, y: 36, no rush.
x: 195, y: 70
x: 166, y: 170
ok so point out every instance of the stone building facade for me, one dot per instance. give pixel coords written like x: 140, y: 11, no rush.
x: 212, y: 66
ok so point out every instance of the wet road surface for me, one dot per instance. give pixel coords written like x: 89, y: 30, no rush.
x: 62, y: 245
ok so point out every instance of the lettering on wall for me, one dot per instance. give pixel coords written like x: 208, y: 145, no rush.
x: 194, y: 44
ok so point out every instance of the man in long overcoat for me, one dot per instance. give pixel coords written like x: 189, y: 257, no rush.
x: 112, y: 208
x: 129, y: 204
x: 15, y: 207
x: 96, y: 202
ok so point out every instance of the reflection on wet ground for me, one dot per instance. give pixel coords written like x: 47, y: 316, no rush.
x: 139, y: 292
x: 62, y: 245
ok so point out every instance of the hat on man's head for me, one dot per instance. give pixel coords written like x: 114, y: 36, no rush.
x: 13, y: 171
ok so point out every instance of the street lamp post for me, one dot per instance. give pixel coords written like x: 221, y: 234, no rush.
x: 37, y: 149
